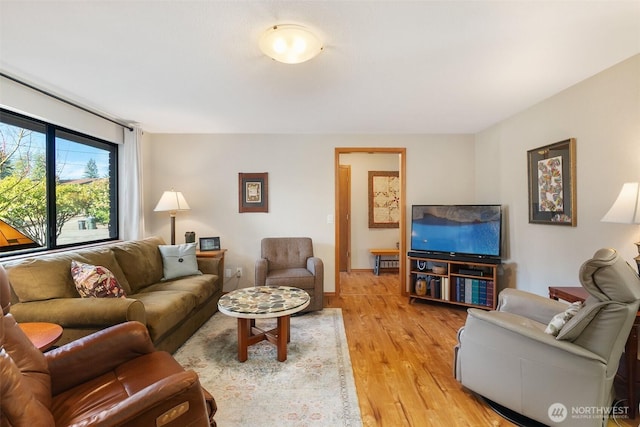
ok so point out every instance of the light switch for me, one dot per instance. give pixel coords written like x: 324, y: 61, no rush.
x: 329, y: 219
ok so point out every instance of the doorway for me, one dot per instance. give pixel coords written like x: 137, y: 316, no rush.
x: 340, y: 200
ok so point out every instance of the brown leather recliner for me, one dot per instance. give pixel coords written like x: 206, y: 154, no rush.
x: 114, y: 377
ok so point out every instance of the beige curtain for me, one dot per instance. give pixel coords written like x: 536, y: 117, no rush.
x: 130, y: 178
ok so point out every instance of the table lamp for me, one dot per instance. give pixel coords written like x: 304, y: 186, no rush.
x: 172, y: 202
x: 626, y: 209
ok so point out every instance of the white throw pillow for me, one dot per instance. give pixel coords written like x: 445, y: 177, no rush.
x: 179, y: 260
x: 560, y: 319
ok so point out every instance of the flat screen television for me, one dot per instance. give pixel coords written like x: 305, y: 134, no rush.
x: 473, y: 231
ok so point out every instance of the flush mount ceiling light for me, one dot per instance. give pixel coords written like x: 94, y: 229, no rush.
x: 289, y: 43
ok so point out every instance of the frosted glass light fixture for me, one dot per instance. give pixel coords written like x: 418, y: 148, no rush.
x: 626, y: 209
x: 290, y: 43
x: 172, y: 202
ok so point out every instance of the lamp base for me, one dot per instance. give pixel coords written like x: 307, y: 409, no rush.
x: 173, y: 229
x: 638, y: 257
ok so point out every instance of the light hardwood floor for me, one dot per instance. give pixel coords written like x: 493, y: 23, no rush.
x: 402, y: 357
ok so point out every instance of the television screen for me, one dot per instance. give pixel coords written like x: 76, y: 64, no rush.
x: 473, y: 230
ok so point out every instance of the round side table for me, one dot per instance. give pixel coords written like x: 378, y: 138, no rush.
x: 43, y: 335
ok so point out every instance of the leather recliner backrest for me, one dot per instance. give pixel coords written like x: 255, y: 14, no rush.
x: 603, y: 324
x: 608, y: 277
x: 26, y: 384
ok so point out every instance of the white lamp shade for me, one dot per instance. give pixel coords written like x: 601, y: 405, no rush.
x: 290, y: 44
x: 626, y: 208
x: 172, y: 201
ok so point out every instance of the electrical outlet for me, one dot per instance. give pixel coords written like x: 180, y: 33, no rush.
x: 227, y: 272
x: 239, y: 272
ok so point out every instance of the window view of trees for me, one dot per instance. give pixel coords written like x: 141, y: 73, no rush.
x: 52, y: 203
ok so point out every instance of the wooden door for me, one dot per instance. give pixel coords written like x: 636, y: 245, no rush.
x: 344, y: 217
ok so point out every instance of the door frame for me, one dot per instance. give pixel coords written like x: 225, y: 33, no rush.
x: 402, y: 165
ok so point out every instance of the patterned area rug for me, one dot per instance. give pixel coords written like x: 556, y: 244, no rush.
x: 313, y: 387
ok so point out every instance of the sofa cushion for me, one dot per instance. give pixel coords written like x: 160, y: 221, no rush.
x: 95, y: 281
x: 140, y: 261
x: 42, y: 279
x: 202, y: 287
x: 178, y: 260
x: 165, y: 309
x: 49, y: 276
x: 106, y: 258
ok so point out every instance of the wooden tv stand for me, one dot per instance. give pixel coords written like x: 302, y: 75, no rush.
x: 454, y: 281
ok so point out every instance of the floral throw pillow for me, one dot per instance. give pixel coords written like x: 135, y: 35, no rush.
x: 559, y: 320
x: 94, y: 281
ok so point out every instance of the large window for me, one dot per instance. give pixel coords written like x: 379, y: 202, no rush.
x: 57, y: 187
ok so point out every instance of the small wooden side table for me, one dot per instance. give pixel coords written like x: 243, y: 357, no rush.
x: 577, y: 293
x: 43, y: 335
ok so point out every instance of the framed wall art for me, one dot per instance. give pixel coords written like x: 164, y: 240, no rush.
x: 384, y: 199
x: 253, y: 192
x: 209, y: 244
x: 552, y: 184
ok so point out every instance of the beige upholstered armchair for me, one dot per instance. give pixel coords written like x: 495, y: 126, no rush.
x: 506, y: 356
x: 289, y: 261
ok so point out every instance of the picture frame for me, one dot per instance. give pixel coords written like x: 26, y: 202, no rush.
x: 253, y: 192
x: 552, y: 184
x: 209, y: 244
x: 384, y: 199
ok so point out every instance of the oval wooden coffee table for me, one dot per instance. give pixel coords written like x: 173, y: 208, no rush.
x: 263, y: 302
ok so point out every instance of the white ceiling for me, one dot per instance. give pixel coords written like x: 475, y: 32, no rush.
x: 387, y: 67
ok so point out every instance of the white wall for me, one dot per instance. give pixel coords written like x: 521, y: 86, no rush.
x: 301, y: 185
x: 603, y: 114
x: 23, y: 100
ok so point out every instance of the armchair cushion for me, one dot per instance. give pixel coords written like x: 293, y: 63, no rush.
x: 296, y: 277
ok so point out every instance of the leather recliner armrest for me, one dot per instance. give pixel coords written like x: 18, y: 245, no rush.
x: 93, y: 355
x: 526, y: 328
x: 531, y: 306
x: 174, y: 400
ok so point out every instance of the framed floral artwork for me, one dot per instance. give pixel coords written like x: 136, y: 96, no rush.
x: 253, y: 192
x: 384, y: 199
x: 552, y: 184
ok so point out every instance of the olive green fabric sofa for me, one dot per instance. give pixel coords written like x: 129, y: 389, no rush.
x: 43, y: 290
